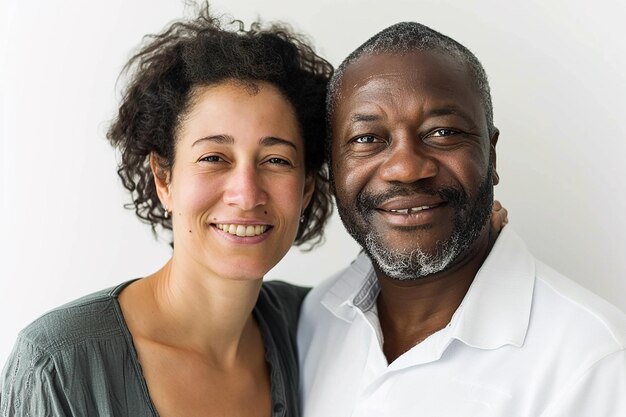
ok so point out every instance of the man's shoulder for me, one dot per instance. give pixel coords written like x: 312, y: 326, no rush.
x: 577, y: 310
x: 560, y: 309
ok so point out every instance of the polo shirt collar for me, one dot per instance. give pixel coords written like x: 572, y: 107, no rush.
x: 355, y: 284
x: 495, y: 311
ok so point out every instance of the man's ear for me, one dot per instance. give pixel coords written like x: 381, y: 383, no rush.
x: 492, y: 156
x: 162, y: 177
x: 331, y: 182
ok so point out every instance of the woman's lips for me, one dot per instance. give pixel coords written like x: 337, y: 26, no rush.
x: 243, y: 230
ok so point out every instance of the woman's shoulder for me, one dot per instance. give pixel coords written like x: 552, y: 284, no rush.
x: 279, y: 300
x: 80, y: 347
x: 281, y: 293
x: 89, y: 317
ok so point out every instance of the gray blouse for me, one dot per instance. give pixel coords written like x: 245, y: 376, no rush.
x: 79, y: 359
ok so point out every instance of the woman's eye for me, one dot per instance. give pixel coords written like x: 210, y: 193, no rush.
x: 279, y: 161
x: 211, y: 158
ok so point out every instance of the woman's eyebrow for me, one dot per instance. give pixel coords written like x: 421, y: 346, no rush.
x: 273, y: 141
x: 229, y: 140
x: 221, y: 139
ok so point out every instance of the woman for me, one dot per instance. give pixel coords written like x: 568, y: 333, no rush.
x: 221, y: 134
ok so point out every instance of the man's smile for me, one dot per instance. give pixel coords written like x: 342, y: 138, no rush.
x: 411, y: 210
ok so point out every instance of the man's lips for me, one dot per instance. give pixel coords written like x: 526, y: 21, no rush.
x: 405, y: 213
x: 405, y: 206
x: 411, y: 210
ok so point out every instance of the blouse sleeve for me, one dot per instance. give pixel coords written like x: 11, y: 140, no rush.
x: 29, y: 384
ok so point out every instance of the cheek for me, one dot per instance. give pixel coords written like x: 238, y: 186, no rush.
x: 287, y: 193
x: 353, y: 176
x: 196, y: 195
x: 468, y: 170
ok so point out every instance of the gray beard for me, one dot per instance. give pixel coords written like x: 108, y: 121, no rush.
x: 413, y: 264
x: 472, y: 214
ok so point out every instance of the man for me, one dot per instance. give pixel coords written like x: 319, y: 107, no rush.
x: 441, y: 316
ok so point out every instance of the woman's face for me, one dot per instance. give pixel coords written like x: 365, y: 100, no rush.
x: 237, y: 187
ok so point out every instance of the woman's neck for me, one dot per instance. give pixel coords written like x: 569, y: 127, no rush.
x: 183, y: 308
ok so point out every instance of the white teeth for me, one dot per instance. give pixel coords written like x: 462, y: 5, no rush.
x: 242, y: 229
x: 410, y: 210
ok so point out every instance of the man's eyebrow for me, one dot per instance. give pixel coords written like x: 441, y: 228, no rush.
x: 438, y: 111
x: 363, y: 117
x: 450, y: 111
x: 221, y: 139
x: 274, y: 141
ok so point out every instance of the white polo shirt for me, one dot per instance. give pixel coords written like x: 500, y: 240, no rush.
x: 525, y: 342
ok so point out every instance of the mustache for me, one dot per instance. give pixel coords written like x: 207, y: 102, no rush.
x: 369, y: 201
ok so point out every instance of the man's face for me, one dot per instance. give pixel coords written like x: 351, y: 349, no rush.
x: 413, y: 162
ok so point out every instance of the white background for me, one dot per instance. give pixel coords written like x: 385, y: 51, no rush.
x: 558, y: 78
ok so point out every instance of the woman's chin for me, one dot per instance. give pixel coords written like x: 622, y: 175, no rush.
x: 244, y: 272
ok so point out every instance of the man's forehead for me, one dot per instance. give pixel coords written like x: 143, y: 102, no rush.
x: 432, y: 72
x: 407, y: 67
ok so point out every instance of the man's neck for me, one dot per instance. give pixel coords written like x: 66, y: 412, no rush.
x: 410, y: 311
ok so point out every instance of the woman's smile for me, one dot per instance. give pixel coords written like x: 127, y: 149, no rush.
x: 241, y: 230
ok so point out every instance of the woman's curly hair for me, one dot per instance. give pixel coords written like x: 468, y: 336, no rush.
x: 203, y: 51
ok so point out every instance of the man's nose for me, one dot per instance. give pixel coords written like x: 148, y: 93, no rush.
x: 408, y: 161
x: 245, y: 189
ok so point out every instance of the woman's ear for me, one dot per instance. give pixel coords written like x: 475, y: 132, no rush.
x: 162, y: 177
x: 309, y: 189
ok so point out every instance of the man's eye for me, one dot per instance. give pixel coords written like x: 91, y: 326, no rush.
x: 444, y: 132
x: 367, y: 139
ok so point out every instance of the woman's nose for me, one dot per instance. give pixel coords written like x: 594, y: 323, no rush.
x: 245, y: 189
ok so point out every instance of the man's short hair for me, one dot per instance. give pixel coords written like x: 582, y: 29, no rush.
x: 403, y: 38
